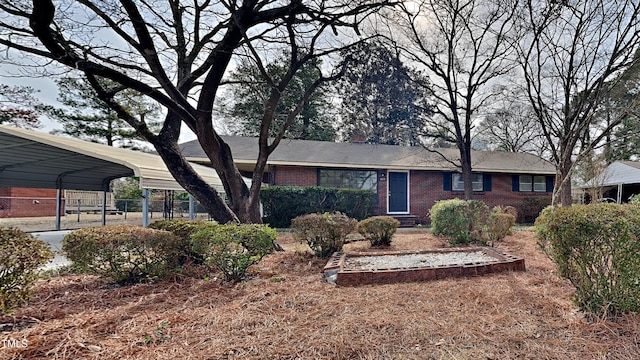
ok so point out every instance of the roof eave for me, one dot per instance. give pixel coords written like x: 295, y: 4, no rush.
x: 206, y: 161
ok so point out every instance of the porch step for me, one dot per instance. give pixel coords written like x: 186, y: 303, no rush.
x: 406, y: 220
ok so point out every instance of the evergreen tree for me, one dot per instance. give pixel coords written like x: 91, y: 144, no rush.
x: 250, y: 90
x: 86, y: 117
x: 622, y: 100
x: 19, y: 107
x: 383, y: 101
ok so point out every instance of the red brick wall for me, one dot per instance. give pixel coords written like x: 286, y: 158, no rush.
x: 295, y: 176
x: 26, y: 202
x: 426, y: 187
x: 381, y: 206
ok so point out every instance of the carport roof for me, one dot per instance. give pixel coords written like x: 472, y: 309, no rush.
x: 39, y: 160
x: 617, y: 173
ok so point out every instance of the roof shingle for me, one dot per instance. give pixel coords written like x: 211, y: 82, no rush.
x: 371, y: 156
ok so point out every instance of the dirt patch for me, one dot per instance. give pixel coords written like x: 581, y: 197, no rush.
x: 286, y: 311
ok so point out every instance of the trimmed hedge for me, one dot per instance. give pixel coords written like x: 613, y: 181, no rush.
x: 233, y: 248
x: 461, y: 220
x: 184, y: 229
x: 126, y: 254
x: 471, y: 221
x: 531, y: 208
x: 378, y: 229
x: 324, y: 233
x: 499, y: 225
x: 596, y: 248
x: 21, y: 255
x: 283, y: 203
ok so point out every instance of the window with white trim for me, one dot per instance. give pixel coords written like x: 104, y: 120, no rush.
x: 351, y: 179
x: 457, y: 184
x: 533, y: 183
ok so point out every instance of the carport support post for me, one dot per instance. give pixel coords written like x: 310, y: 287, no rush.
x: 104, y: 208
x: 58, y: 207
x: 619, y: 197
x: 192, y: 208
x: 145, y: 207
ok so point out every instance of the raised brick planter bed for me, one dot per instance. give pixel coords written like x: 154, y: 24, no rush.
x: 339, y: 271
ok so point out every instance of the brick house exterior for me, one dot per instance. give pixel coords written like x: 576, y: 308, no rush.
x: 27, y: 202
x: 420, y: 177
x: 426, y: 188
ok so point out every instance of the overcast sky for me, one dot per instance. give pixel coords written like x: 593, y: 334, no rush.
x: 48, y: 94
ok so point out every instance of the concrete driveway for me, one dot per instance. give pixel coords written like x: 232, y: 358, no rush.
x: 54, y: 239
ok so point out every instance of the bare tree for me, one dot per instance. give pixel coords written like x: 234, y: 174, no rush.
x: 176, y: 53
x: 571, y: 51
x: 510, y: 125
x: 463, y: 46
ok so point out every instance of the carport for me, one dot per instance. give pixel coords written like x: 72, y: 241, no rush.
x: 33, y: 159
x: 619, y: 181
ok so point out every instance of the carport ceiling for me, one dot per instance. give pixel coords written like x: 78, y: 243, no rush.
x: 39, y: 160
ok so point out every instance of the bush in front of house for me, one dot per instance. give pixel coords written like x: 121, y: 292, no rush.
x: 509, y: 210
x: 324, y: 233
x: 233, y: 248
x: 281, y: 204
x: 479, y: 213
x: 461, y: 220
x: 531, y: 208
x: 126, y: 254
x: 499, y: 224
x: 596, y: 248
x: 185, y: 229
x: 21, y: 255
x: 378, y: 229
x: 448, y: 219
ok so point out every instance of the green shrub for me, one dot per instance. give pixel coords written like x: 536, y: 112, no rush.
x: 509, y: 210
x: 126, y: 254
x: 378, y: 229
x: 184, y: 229
x: 21, y: 255
x: 447, y: 219
x: 499, y: 225
x: 283, y: 203
x: 463, y: 221
x: 233, y: 248
x: 324, y: 233
x: 479, y: 213
x: 634, y: 199
x: 596, y: 248
x: 531, y: 208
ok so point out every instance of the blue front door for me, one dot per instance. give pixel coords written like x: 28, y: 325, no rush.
x: 398, y: 191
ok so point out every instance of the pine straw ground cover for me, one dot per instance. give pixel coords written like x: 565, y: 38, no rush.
x: 288, y: 312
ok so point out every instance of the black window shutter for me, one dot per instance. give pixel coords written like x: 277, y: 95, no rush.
x: 550, y: 183
x: 515, y: 183
x: 446, y: 181
x: 486, y: 182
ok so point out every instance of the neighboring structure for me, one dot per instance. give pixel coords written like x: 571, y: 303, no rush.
x: 619, y: 181
x: 35, y: 160
x: 407, y: 180
x: 25, y: 202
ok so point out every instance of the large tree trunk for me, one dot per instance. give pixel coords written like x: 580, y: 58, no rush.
x: 187, y: 177
x: 243, y: 203
x: 467, y: 172
x: 563, y: 183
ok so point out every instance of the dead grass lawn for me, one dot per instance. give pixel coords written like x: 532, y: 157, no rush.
x: 288, y: 312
